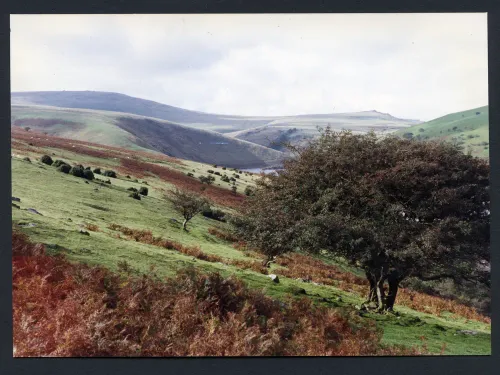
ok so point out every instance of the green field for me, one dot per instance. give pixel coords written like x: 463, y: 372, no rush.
x: 470, y: 129
x: 67, y: 204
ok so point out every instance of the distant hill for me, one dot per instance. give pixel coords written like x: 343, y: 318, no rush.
x: 139, y: 132
x: 262, y: 130
x: 470, y: 129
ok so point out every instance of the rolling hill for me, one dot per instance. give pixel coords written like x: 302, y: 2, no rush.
x: 263, y: 130
x: 138, y: 132
x: 470, y: 129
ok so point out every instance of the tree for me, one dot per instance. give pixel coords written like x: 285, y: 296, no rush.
x: 394, y: 207
x: 187, y: 204
x: 207, y: 179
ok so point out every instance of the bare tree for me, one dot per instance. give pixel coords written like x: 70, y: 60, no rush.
x: 187, y: 204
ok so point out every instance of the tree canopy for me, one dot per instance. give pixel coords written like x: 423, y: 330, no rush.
x: 395, y: 207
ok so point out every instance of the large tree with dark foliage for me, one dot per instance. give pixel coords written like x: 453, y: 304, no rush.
x: 397, y: 208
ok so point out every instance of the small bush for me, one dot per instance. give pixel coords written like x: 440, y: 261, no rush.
x: 224, y: 168
x: 210, y: 171
x: 237, y: 176
x: 135, y: 195
x: 249, y: 191
x: 64, y: 168
x: 214, y: 214
x: 110, y: 173
x: 189, y: 174
x: 225, y: 178
x: 27, y: 159
x: 132, y: 189
x: 127, y: 176
x: 58, y: 163
x: 87, y: 168
x: 143, y: 191
x: 217, y: 173
x: 108, y: 182
x: 215, y: 166
x: 87, y: 174
x: 76, y: 171
x: 206, y: 179
x: 233, y: 189
x: 97, y: 171
x: 46, y: 159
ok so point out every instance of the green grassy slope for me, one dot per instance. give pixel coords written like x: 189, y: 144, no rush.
x: 469, y: 128
x: 67, y: 203
x: 136, y: 132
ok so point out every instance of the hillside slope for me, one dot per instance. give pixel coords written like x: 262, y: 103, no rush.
x: 137, y: 132
x: 264, y: 126
x: 470, y: 129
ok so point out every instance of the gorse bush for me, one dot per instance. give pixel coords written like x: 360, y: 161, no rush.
x: 87, y: 174
x: 215, y: 214
x: 59, y: 162
x: 135, y: 195
x: 110, y: 173
x: 64, y: 168
x: 143, y: 191
x: 75, y: 310
x: 77, y: 171
x: 46, y: 159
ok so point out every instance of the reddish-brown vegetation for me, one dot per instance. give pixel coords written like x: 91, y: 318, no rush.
x: 145, y: 236
x: 72, y: 310
x: 222, y: 235
x: 92, y: 227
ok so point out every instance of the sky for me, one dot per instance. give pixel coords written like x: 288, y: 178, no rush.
x: 413, y: 66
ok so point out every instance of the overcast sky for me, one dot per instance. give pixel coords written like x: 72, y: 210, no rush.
x: 418, y: 66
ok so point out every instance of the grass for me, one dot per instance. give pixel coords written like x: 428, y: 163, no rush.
x: 468, y: 127
x: 69, y: 205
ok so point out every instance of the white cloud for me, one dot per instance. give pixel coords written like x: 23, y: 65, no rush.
x: 410, y: 65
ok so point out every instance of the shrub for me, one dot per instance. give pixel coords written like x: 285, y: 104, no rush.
x: 214, y: 214
x: 210, y: 171
x: 87, y: 174
x: 206, y: 179
x: 233, y: 189
x: 110, y: 173
x: 97, y: 171
x: 143, y: 190
x: 249, y: 191
x: 224, y: 168
x: 217, y: 173
x: 237, y: 176
x: 421, y: 130
x: 189, y: 174
x: 135, y: 195
x: 108, y: 182
x: 87, y: 168
x: 59, y: 162
x: 225, y: 178
x: 76, y: 171
x: 46, y: 159
x: 215, y: 165
x: 64, y: 168
x: 27, y: 159
x: 132, y: 189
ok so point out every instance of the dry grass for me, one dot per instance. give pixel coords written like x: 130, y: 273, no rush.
x: 222, y: 235
x: 92, y: 227
x: 62, y: 309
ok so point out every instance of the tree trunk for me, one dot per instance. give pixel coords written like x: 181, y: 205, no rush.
x: 380, y: 293
x: 372, y: 295
x: 184, y: 224
x: 393, y: 281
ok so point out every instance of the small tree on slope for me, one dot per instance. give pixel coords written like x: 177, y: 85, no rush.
x: 397, y: 208
x: 187, y: 204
